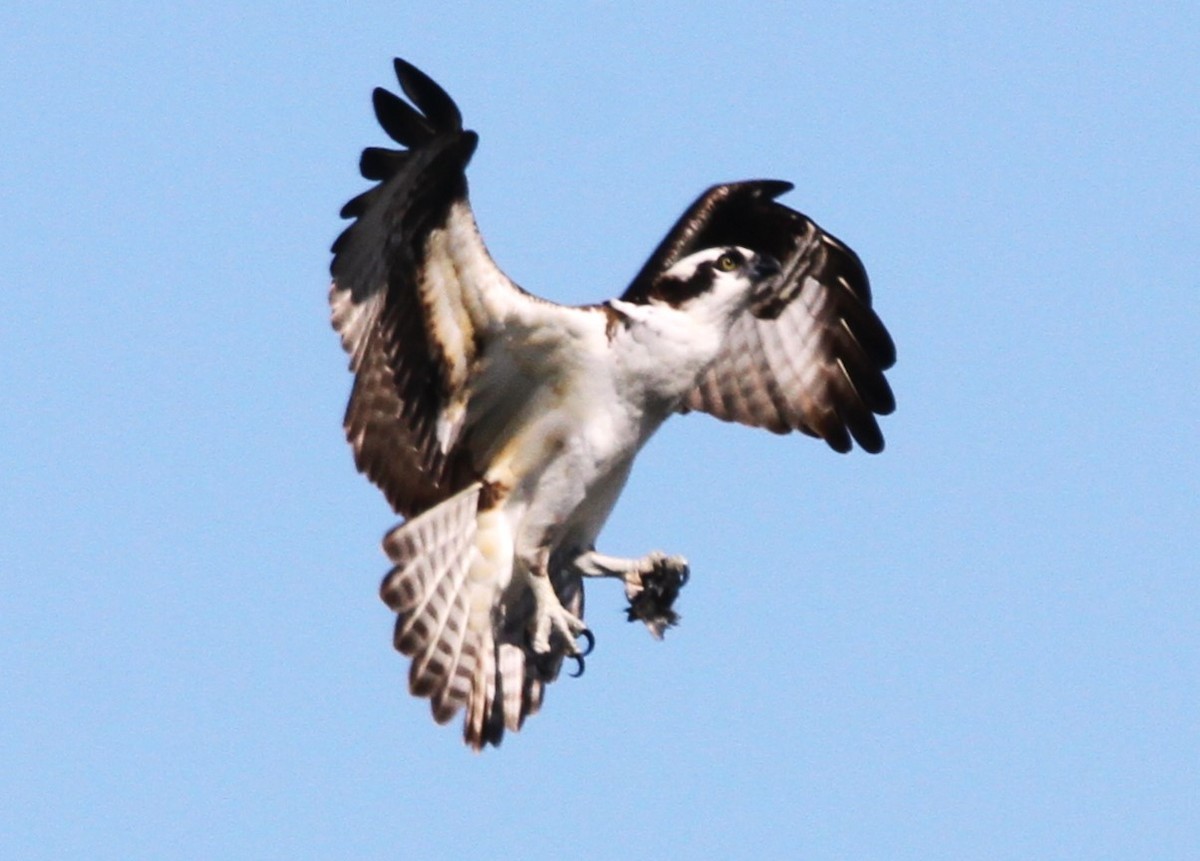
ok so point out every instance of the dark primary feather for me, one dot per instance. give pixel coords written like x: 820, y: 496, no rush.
x: 818, y: 365
x: 403, y: 123
x: 428, y: 95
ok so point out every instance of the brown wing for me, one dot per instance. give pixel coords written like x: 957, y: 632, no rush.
x: 410, y: 282
x: 818, y: 366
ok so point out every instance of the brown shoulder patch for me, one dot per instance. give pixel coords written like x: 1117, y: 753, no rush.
x: 492, y: 494
x: 614, y: 320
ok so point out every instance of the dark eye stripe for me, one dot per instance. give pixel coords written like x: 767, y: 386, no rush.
x: 676, y: 291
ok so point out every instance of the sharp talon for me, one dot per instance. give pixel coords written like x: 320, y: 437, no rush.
x: 579, y: 662
x: 587, y: 650
x: 684, y: 574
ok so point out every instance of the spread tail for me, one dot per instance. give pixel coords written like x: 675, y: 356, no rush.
x: 457, y: 621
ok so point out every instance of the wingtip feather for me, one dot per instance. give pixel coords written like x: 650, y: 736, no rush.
x: 428, y: 95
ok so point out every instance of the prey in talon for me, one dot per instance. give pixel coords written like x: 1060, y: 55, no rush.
x: 652, y: 596
x: 502, y: 427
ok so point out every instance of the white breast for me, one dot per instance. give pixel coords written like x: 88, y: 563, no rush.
x: 599, y: 401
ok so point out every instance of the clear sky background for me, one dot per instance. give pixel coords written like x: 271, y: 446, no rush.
x: 984, y: 643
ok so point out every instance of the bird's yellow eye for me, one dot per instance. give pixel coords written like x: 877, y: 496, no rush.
x: 727, y: 263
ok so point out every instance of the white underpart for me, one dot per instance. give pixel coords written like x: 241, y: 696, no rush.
x: 565, y: 454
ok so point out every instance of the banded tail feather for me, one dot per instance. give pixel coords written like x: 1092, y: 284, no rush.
x: 446, y: 591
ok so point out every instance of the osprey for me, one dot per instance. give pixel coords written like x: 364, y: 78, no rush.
x: 502, y: 426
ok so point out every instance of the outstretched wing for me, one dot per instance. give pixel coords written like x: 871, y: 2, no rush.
x: 818, y: 365
x: 414, y: 294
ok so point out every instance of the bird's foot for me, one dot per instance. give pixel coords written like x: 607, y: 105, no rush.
x: 652, y: 587
x: 554, y: 630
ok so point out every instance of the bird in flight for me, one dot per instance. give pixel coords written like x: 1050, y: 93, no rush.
x: 503, y: 426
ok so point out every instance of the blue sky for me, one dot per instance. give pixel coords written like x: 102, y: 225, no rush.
x: 983, y: 643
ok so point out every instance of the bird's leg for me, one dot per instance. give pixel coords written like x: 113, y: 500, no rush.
x: 652, y: 584
x: 550, y: 617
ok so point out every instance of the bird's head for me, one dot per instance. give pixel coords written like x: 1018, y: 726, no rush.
x: 720, y: 281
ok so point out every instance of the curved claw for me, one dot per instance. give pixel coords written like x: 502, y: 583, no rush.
x: 587, y: 650
x: 580, y: 655
x: 684, y: 575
